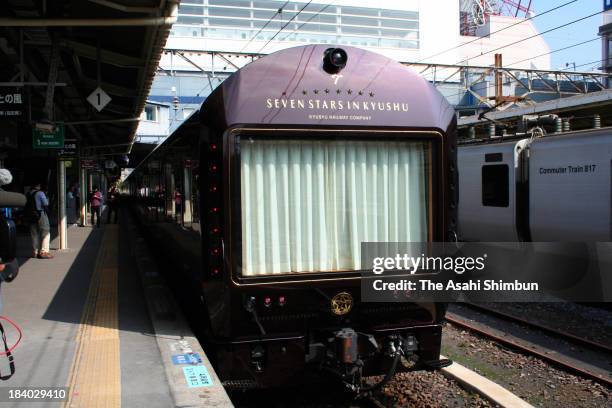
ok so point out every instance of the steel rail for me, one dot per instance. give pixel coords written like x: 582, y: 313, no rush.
x: 548, y: 329
x: 532, y: 350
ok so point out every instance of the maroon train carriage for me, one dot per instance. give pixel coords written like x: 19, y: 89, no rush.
x: 294, y: 161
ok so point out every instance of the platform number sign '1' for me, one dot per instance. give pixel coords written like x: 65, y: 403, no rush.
x: 607, y: 5
x: 99, y: 99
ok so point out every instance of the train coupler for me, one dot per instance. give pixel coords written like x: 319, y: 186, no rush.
x: 405, y: 346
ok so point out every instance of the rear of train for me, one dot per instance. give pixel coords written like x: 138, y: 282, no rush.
x: 300, y: 157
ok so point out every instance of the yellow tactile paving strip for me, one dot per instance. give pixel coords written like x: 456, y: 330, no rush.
x: 95, y: 375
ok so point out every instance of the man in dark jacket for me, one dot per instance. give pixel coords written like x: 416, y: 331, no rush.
x: 40, y: 229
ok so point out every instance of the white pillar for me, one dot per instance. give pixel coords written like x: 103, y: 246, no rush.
x: 83, y: 195
x: 187, y: 218
x: 169, y: 186
x: 62, y: 222
x: 90, y: 183
x: 172, y: 188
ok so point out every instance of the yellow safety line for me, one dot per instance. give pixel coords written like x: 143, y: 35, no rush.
x: 95, y: 375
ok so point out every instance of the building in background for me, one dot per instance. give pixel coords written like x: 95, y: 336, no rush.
x: 155, y: 124
x: 605, y: 31
x: 454, y: 32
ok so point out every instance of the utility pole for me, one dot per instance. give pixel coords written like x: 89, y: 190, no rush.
x: 499, y: 85
x: 499, y: 90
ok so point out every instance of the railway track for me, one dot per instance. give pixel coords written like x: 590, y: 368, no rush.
x: 581, y: 356
x: 551, y: 330
x: 374, y: 403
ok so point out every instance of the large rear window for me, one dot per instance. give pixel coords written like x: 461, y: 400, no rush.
x: 306, y: 205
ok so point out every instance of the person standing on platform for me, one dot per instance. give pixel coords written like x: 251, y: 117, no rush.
x: 178, y: 205
x: 111, y: 203
x: 76, y: 193
x: 36, y: 209
x: 95, y: 202
x: 71, y: 206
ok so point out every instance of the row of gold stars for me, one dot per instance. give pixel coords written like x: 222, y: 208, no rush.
x: 338, y: 91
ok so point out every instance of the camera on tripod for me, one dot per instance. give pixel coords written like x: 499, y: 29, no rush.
x: 8, y: 233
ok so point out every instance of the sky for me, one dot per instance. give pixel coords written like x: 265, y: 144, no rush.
x: 576, y: 33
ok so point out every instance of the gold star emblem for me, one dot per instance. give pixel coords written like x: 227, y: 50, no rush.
x: 342, y: 303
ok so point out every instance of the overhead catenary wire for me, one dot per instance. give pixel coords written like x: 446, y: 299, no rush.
x: 307, y: 21
x: 497, y: 31
x: 531, y: 36
x: 282, y: 39
x: 492, y: 85
x: 279, y: 11
x: 284, y: 25
x: 599, y: 61
x: 537, y: 56
x: 483, y: 88
x: 553, y: 51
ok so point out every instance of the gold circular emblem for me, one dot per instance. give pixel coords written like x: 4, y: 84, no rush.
x: 342, y: 303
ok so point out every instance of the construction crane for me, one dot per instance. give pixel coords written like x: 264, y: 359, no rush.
x: 475, y: 13
x: 518, y: 8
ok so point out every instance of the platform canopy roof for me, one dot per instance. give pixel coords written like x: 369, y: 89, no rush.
x: 58, y: 52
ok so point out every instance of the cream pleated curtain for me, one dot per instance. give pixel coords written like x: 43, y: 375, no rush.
x: 308, y: 205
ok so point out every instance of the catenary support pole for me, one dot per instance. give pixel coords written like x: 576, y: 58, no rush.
x: 90, y: 184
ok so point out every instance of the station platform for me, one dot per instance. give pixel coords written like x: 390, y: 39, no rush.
x: 99, y: 320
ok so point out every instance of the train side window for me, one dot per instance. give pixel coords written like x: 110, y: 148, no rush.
x: 495, y: 185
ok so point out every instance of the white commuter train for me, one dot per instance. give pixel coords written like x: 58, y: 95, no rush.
x: 555, y: 189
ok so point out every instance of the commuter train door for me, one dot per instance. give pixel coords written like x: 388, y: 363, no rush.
x: 487, y: 192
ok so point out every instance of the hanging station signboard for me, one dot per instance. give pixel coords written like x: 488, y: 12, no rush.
x: 48, y: 138
x: 88, y: 164
x: 12, y: 103
x: 69, y: 151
